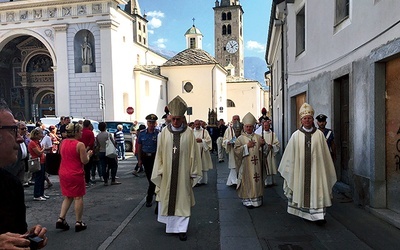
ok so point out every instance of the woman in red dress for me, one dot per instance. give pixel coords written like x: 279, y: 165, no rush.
x: 72, y: 176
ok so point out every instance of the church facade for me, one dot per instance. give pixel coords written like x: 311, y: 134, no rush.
x: 92, y: 59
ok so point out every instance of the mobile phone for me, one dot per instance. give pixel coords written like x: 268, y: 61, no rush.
x: 35, y: 241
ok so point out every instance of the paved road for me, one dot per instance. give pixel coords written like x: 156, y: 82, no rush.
x: 117, y: 219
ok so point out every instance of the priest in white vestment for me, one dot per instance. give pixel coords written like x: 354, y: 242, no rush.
x: 308, y: 170
x: 228, y: 143
x: 248, y: 151
x: 271, y: 149
x: 204, y: 144
x: 176, y: 170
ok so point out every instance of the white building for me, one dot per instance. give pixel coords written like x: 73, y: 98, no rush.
x: 92, y: 59
x: 342, y: 57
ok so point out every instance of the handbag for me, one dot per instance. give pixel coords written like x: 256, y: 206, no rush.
x: 111, y: 151
x: 34, y: 165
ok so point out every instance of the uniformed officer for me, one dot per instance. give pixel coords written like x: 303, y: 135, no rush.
x: 321, y: 122
x: 147, y: 146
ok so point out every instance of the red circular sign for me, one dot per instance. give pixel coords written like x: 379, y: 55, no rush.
x: 129, y: 110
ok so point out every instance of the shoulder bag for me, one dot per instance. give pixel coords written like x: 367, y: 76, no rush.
x: 111, y: 151
x: 34, y: 165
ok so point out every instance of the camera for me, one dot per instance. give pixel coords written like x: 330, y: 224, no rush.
x: 35, y: 241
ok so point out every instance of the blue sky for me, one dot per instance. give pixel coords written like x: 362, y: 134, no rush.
x: 169, y: 20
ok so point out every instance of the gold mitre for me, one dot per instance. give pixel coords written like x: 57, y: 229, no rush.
x: 177, y: 107
x: 306, y: 109
x: 249, y: 119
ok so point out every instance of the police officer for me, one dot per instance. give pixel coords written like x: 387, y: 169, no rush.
x: 147, y: 146
x: 321, y: 122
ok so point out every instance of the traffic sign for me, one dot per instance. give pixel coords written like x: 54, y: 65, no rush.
x: 129, y: 110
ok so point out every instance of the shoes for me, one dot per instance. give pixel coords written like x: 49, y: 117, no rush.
x: 123, y: 158
x: 80, y: 226
x: 26, y: 184
x: 39, y: 198
x: 94, y: 178
x: 62, y: 224
x: 148, y: 204
x: 140, y: 170
x: 116, y: 177
x: 115, y: 183
x: 46, y: 196
x: 105, y: 183
x: 183, y: 236
x: 49, y: 185
x: 135, y: 173
x: 221, y: 161
x: 31, y: 183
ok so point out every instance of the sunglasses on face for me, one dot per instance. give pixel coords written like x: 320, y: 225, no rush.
x: 13, y: 129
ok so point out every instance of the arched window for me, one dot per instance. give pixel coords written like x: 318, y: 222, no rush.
x: 229, y: 16
x: 223, y: 16
x: 230, y: 103
x: 223, y: 30
x: 229, y: 29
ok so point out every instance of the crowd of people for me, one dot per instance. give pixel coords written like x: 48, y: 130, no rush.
x: 175, y: 157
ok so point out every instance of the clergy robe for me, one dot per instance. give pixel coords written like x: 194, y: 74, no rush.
x: 250, y: 187
x: 176, y: 169
x: 309, y: 174
x: 229, y: 136
x: 269, y: 154
x: 204, y: 148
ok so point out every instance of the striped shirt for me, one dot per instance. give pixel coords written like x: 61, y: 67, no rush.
x: 119, y: 137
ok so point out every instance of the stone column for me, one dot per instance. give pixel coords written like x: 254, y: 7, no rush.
x: 61, y: 77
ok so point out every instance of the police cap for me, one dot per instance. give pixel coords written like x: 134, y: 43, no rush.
x: 151, y: 118
x: 321, y: 118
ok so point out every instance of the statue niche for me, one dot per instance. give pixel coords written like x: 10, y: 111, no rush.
x: 84, y: 52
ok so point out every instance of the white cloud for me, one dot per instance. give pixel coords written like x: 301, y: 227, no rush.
x: 160, y: 43
x: 154, y: 18
x: 253, y: 45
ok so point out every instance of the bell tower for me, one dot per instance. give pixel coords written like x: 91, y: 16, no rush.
x: 228, y: 35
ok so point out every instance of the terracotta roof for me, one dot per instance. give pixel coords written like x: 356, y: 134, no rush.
x: 191, y: 57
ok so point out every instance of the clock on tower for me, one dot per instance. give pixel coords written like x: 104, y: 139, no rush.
x: 232, y: 46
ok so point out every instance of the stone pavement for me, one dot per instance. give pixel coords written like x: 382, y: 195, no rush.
x: 118, y: 219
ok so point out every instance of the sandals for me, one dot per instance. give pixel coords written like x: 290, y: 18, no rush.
x: 62, y: 224
x: 80, y: 226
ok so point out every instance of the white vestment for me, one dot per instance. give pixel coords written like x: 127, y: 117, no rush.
x: 176, y: 215
x: 204, y: 148
x: 228, y: 143
x: 272, y: 149
x: 308, y: 201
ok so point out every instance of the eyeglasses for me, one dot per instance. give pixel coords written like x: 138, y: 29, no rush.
x: 13, y: 129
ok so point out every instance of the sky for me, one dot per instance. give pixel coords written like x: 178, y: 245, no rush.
x: 169, y: 20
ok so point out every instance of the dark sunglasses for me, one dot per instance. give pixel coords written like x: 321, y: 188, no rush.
x: 13, y: 129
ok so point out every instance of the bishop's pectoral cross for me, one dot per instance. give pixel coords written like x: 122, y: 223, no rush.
x: 309, y: 144
x: 174, y: 148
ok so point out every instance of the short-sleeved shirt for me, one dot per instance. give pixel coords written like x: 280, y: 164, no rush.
x: 148, y: 141
x: 119, y: 137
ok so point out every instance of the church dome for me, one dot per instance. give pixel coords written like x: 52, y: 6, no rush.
x: 193, y: 30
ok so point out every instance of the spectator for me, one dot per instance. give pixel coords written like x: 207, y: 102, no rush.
x: 72, y: 176
x: 119, y: 139
x: 14, y: 229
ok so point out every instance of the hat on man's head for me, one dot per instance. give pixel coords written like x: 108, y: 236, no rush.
x: 151, y: 118
x: 306, y: 109
x: 321, y: 118
x: 177, y: 106
x: 249, y: 119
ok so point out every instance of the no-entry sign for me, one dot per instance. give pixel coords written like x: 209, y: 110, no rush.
x: 129, y: 110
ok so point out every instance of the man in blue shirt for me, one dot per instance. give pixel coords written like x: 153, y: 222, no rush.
x: 147, y: 147
x: 321, y: 122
